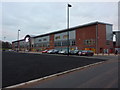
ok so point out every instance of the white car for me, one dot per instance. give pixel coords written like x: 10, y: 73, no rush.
x: 50, y: 51
x: 62, y: 52
x: 53, y: 51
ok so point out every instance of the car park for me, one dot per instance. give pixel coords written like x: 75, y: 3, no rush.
x: 86, y: 53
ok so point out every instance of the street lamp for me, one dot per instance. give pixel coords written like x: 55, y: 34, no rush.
x: 68, y: 26
x: 18, y: 40
x: 4, y: 39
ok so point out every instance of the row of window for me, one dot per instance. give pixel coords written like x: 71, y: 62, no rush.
x: 89, y: 42
x: 58, y: 37
x: 44, y: 39
x: 65, y: 43
x: 41, y: 45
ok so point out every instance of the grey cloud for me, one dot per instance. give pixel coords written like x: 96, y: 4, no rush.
x: 39, y: 18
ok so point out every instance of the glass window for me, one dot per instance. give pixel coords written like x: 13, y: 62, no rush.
x: 65, y: 36
x: 64, y: 43
x: 57, y: 37
x: 73, y: 42
x: 44, y: 39
x: 40, y: 40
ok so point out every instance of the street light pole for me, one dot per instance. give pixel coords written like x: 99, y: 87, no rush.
x: 97, y: 38
x: 18, y: 40
x: 68, y: 26
x: 4, y: 39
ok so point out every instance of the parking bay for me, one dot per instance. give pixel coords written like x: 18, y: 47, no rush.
x: 21, y: 67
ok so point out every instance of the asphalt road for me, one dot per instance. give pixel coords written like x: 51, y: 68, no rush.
x: 21, y: 67
x: 104, y: 75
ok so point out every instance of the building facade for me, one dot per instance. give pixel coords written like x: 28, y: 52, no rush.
x: 96, y: 36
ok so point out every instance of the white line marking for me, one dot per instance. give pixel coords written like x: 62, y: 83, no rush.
x: 57, y: 74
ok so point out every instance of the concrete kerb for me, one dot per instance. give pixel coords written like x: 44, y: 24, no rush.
x: 54, y: 75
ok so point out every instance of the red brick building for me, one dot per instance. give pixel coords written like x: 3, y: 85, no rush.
x: 96, y: 36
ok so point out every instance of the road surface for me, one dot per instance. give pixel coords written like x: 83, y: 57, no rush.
x: 104, y: 75
x: 22, y: 67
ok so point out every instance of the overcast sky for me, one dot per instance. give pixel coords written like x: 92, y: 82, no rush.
x: 44, y: 17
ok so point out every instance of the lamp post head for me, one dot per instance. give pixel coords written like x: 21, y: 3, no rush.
x: 69, y: 5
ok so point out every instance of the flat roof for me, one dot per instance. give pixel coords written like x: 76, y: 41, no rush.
x: 70, y: 29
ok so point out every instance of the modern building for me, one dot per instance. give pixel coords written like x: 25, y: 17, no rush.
x: 96, y: 36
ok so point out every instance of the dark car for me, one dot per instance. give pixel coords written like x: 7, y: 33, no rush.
x: 74, y: 52
x: 86, y: 53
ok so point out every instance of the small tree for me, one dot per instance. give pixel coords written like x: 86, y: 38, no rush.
x: 6, y: 45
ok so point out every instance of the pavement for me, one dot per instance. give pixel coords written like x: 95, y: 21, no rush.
x: 23, y: 67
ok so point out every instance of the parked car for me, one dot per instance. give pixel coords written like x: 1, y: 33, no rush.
x: 61, y: 52
x: 66, y: 52
x: 45, y: 51
x: 74, y: 52
x: 53, y: 51
x: 86, y: 53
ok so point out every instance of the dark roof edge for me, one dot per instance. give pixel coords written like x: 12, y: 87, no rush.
x: 32, y: 36
x: 17, y: 40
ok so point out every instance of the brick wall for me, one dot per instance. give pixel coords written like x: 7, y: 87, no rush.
x: 102, y: 38
x: 85, y: 33
x: 51, y: 41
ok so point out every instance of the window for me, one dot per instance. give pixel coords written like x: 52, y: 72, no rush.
x: 36, y: 45
x: 40, y: 45
x: 107, y: 42
x: 57, y: 43
x: 89, y: 42
x: 57, y: 37
x: 73, y: 42
x: 85, y: 42
x: 44, y: 39
x: 65, y: 36
x: 40, y: 40
x: 64, y: 43
x: 48, y: 45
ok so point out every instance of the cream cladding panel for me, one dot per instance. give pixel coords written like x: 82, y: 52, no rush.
x: 63, y: 36
x: 42, y: 39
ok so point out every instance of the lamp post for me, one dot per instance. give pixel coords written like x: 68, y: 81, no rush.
x: 18, y: 40
x: 4, y: 39
x: 97, y: 38
x: 68, y: 26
